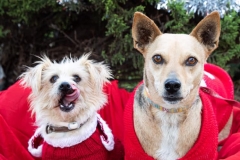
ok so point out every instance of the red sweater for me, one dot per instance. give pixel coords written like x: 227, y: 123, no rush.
x: 205, y: 147
x: 16, y: 123
x: 215, y: 114
x: 90, y: 149
x: 99, y: 146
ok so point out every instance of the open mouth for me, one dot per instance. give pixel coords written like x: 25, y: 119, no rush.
x: 66, y: 107
x: 67, y: 101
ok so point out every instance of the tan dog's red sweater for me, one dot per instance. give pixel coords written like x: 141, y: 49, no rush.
x: 215, y: 113
x: 205, y: 147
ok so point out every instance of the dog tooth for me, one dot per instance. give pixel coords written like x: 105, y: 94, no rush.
x: 61, y: 106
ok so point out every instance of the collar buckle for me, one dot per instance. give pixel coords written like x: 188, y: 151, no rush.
x: 49, y: 129
x: 73, y: 125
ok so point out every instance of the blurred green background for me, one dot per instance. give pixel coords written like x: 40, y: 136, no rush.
x: 103, y: 27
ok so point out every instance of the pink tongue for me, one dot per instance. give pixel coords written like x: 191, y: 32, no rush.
x: 71, y: 97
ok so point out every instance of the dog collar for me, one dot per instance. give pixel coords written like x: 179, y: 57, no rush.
x: 172, y: 110
x: 65, y: 127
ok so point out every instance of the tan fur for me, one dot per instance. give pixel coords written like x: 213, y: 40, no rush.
x: 148, y: 138
x: 145, y: 137
x: 226, y: 130
x: 170, y: 135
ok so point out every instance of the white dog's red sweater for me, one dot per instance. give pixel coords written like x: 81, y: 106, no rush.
x: 99, y: 146
x: 215, y: 113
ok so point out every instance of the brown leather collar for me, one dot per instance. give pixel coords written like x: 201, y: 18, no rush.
x: 71, y: 126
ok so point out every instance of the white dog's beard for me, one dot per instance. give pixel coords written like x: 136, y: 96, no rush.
x: 69, y: 94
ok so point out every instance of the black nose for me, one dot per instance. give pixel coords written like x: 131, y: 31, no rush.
x: 65, y: 88
x: 172, y: 85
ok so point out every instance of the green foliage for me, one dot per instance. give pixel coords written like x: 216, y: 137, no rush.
x: 24, y: 10
x: 229, y: 48
x: 3, y: 32
x: 180, y: 19
x: 118, y: 23
x: 30, y: 27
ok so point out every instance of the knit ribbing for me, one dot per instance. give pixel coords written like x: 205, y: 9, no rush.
x: 90, y: 149
x: 99, y: 146
x: 205, y: 148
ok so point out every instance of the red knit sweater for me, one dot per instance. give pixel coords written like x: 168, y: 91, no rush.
x: 215, y: 113
x: 205, y: 147
x: 90, y: 149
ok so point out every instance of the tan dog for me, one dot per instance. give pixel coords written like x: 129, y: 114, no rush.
x: 65, y: 99
x: 167, y: 107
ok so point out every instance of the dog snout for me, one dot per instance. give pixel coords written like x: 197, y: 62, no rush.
x: 172, y: 85
x: 65, y: 88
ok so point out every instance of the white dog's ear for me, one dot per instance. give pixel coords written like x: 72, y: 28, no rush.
x: 207, y: 32
x: 99, y: 72
x: 33, y: 76
x: 144, y: 31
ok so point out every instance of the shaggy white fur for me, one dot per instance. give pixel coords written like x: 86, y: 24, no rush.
x: 66, y: 92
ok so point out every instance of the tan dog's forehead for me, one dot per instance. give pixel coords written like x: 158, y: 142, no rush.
x: 176, y: 46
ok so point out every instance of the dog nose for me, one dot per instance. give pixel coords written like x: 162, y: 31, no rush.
x: 65, y: 88
x: 172, y: 85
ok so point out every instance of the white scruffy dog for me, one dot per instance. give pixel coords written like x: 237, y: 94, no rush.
x: 65, y: 98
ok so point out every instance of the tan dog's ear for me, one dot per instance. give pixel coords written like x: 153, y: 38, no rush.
x: 144, y: 31
x: 207, y: 31
x: 32, y: 77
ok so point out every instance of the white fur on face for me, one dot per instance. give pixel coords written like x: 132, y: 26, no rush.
x: 45, y: 95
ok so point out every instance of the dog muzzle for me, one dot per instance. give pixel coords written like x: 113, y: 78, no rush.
x: 67, y: 102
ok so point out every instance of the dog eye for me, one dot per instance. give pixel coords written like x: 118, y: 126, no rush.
x: 76, y: 78
x: 157, y: 59
x: 54, y: 79
x: 191, y: 61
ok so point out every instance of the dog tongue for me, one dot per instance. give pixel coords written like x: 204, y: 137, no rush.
x: 71, y: 97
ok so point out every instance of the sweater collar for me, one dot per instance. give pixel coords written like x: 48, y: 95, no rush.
x: 205, y: 147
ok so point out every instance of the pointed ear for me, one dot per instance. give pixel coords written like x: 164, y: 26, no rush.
x: 144, y: 31
x: 33, y: 76
x: 207, y: 31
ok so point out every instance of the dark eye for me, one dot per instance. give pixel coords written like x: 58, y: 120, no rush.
x: 191, y: 61
x: 54, y: 79
x: 157, y: 59
x: 76, y: 78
